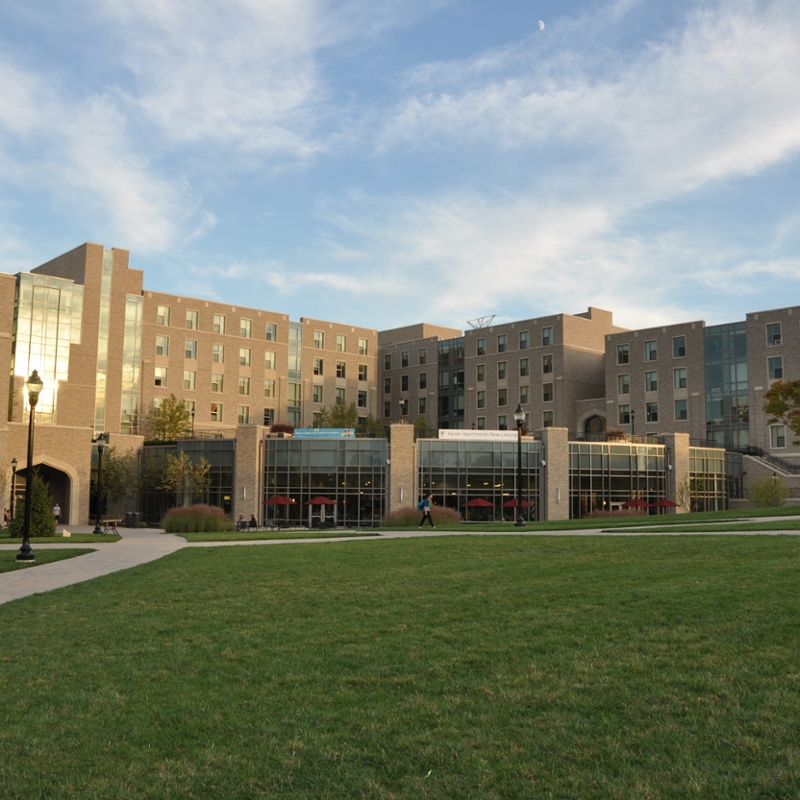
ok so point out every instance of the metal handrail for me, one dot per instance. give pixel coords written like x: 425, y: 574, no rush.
x: 774, y: 461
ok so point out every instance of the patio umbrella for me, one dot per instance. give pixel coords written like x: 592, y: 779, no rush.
x: 320, y: 501
x: 636, y: 503
x: 478, y: 502
x: 513, y: 504
x: 278, y: 500
x: 664, y: 504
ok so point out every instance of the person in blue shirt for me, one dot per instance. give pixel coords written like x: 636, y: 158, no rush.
x: 426, y: 510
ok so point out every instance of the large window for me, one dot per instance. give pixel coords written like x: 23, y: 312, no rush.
x: 480, y: 373
x: 404, y: 383
x: 502, y: 343
x: 547, y: 336
x: 363, y: 347
x: 502, y: 367
x: 341, y: 369
x: 681, y: 410
x: 244, y: 356
x: 651, y: 410
x: 272, y: 332
x: 246, y: 328
x: 423, y: 380
x: 189, y: 380
x: 218, y: 353
x: 243, y: 415
x: 480, y: 347
x: 423, y: 405
x: 269, y: 359
x: 217, y: 382
x: 524, y: 394
x: 362, y: 399
x: 190, y: 350
x: 481, y: 399
x: 775, y: 368
x: 650, y: 351
x: 316, y: 393
x: 162, y: 315
x: 340, y: 397
x: 269, y: 416
x: 244, y: 385
x: 192, y: 320
x: 547, y: 364
x: 404, y: 359
x: 624, y: 414
x: 216, y: 412
x: 387, y: 361
x: 219, y: 323
x: 319, y: 340
x: 547, y: 392
x: 624, y: 383
x: 269, y: 388
x: 651, y: 381
x: 547, y: 419
x: 623, y: 354
x: 777, y: 436
x: 774, y: 334
x: 524, y: 367
x: 524, y: 340
x: 502, y: 397
x: 423, y: 355
x: 680, y: 378
x: 387, y: 385
x: 362, y: 372
x: 341, y: 343
x: 162, y: 345
x: 161, y: 376
x: 319, y: 366
x: 678, y: 346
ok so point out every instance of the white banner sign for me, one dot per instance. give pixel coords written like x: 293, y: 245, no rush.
x: 478, y: 436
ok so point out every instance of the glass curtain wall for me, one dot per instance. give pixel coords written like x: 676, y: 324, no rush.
x: 351, y: 472
x: 459, y: 472
x: 602, y: 476
x: 451, y: 383
x: 102, y: 342
x: 131, y: 361
x: 707, y: 479
x: 727, y: 386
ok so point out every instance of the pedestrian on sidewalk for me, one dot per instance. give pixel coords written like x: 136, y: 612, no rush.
x: 425, y: 507
x: 57, y: 513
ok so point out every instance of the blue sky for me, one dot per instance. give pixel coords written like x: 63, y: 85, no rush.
x: 384, y: 163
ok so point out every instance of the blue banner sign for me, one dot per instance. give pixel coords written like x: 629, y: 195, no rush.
x: 324, y: 433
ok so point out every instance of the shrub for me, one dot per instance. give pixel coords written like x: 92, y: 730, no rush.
x: 768, y: 492
x: 408, y: 517
x: 196, y: 519
x: 42, y: 522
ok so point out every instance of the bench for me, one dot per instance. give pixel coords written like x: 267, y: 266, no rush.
x: 110, y: 525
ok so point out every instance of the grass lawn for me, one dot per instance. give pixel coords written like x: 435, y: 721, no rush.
x: 75, y: 538
x: 498, y: 667
x: 257, y: 536
x: 8, y: 558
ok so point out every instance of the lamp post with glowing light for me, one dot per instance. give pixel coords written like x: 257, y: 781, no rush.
x: 34, y: 386
x: 98, y: 501
x: 519, y: 418
x: 13, y: 485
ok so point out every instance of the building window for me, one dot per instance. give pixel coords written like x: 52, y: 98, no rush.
x: 387, y: 361
x: 524, y: 340
x: 502, y: 397
x: 189, y: 380
x: 362, y: 399
x: 192, y: 320
x: 547, y: 336
x: 190, y: 350
x: 404, y: 383
x: 387, y: 408
x: 480, y: 423
x: 243, y: 415
x: 218, y: 353
x: 502, y: 343
x: 547, y: 419
x: 404, y: 408
x: 219, y: 323
x: 680, y: 378
x: 777, y: 436
x: 678, y: 346
x: 319, y: 340
x: 244, y: 385
x: 774, y: 334
x: 269, y: 416
x: 217, y: 382
x: 650, y: 351
x: 481, y: 347
x: 363, y: 347
x: 775, y: 368
x: 341, y: 369
x: 362, y: 372
x: 244, y: 356
x: 316, y: 419
x: 161, y: 376
x: 269, y: 388
x: 547, y: 365
x: 216, y: 412
x: 423, y: 405
x: 272, y: 332
x: 387, y: 385
x: 246, y: 328
x: 423, y: 380
x: 318, y: 366
x: 651, y: 381
x: 423, y: 355
x: 341, y: 343
x: 524, y: 367
x: 480, y: 373
x: 502, y: 367
x: 481, y: 399
x: 502, y: 422
x: 316, y: 393
x: 524, y: 392
x: 162, y: 345
x: 404, y: 359
x: 651, y: 412
x: 547, y: 392
x: 269, y: 359
x: 624, y: 383
x: 681, y: 410
x: 624, y: 414
x: 162, y: 315
x: 623, y: 354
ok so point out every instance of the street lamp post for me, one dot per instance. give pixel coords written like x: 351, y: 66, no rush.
x: 98, y: 497
x: 633, y: 423
x: 519, y: 418
x: 13, y: 484
x: 34, y: 386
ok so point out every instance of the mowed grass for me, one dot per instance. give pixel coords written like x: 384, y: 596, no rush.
x: 272, y: 535
x: 8, y: 558
x: 504, y: 667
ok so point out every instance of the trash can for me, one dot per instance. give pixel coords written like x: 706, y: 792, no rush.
x: 131, y: 519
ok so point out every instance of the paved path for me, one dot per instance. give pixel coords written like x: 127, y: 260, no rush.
x: 141, y: 546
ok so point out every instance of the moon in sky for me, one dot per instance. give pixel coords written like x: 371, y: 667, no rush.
x: 541, y: 25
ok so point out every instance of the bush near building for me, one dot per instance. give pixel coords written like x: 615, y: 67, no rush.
x: 196, y: 519
x: 768, y: 492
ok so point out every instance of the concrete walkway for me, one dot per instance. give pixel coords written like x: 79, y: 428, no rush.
x: 141, y: 546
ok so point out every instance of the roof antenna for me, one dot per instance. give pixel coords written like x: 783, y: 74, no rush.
x: 480, y: 322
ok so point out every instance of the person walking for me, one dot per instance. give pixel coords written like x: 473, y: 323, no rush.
x: 57, y: 513
x: 425, y: 507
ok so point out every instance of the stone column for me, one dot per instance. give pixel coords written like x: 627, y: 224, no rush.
x: 402, y: 473
x: 555, y: 473
x: 249, y: 473
x: 677, y: 457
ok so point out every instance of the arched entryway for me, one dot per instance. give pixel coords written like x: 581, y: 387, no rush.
x: 64, y: 489
x: 594, y: 427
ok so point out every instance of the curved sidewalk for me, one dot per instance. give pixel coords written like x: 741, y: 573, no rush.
x: 136, y: 547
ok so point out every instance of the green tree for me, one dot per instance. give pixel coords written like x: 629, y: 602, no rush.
x: 783, y: 405
x: 374, y: 427
x: 768, y: 492
x: 339, y: 416
x: 42, y: 522
x: 422, y: 430
x: 121, y: 475
x: 187, y: 480
x: 169, y: 421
